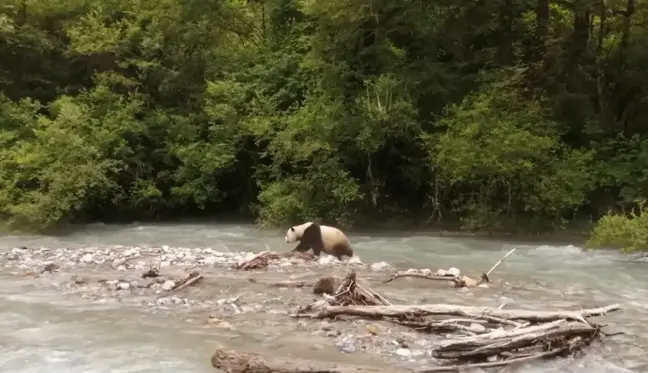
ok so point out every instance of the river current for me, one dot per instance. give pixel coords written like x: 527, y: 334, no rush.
x: 43, y: 331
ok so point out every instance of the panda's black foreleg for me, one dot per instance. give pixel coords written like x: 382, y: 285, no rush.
x: 302, y: 247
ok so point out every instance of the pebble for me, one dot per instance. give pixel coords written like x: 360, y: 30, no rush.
x: 346, y: 345
x: 131, y: 262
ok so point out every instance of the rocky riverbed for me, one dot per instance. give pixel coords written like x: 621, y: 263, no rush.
x: 228, y: 300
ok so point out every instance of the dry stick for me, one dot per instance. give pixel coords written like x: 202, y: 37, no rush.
x: 374, y: 294
x: 485, y: 276
x: 458, y: 368
x: 246, y: 263
x: 287, y: 284
x: 397, y: 275
x: 192, y: 279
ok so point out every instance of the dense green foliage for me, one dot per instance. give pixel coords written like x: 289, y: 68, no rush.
x: 490, y: 113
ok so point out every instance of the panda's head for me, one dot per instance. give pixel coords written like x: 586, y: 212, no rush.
x: 291, y: 235
x: 295, y: 233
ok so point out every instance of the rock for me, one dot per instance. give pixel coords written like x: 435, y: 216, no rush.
x: 346, y: 345
x: 478, y: 328
x: 412, y: 270
x: 380, y: 266
x: 355, y: 260
x: 168, y: 285
x: 118, y: 262
x: 504, y: 301
x: 123, y: 286
x: 163, y: 301
x: 454, y: 271
x: 469, y: 281
x: 441, y: 272
x: 326, y: 285
x: 404, y: 352
x: 426, y: 272
x: 219, y: 323
x: 326, y: 259
x: 50, y: 267
x: 87, y: 258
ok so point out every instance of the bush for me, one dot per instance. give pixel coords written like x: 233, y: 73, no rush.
x: 627, y: 233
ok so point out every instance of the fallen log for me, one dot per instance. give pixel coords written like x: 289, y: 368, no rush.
x: 231, y: 361
x: 465, y: 311
x: 494, y: 364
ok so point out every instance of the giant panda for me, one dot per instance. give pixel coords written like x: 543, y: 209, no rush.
x: 319, y: 238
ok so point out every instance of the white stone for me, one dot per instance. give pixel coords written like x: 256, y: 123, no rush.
x: 403, y: 352
x: 380, y: 266
x: 355, y: 260
x: 326, y: 259
x: 168, y: 285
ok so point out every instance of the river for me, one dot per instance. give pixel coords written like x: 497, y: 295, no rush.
x: 46, y: 332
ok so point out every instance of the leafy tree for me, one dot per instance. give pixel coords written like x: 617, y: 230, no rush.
x: 504, y: 115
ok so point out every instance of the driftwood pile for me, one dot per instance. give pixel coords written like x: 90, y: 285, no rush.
x: 475, y: 337
x: 193, y: 278
x: 486, y: 336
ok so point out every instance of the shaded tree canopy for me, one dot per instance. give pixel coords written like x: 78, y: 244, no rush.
x: 490, y: 113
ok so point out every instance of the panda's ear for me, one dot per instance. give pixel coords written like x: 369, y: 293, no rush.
x: 292, y: 229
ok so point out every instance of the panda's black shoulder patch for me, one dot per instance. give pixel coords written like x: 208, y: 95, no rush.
x: 313, y: 232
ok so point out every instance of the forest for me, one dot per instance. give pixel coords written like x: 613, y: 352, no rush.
x: 497, y: 115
